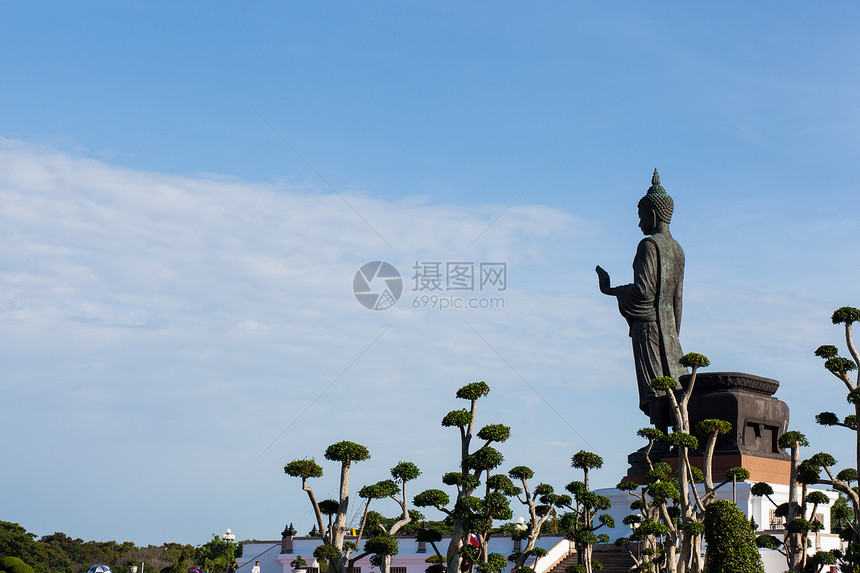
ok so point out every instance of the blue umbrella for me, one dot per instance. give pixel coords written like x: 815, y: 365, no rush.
x: 99, y: 569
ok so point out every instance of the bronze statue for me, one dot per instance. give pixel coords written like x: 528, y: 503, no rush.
x: 652, y: 303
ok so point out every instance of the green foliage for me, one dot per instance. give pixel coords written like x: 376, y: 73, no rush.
x: 817, y: 497
x: 693, y: 527
x: 586, y: 461
x: 379, y: 490
x: 435, y: 568
x: 839, y: 365
x: 304, y: 469
x: 853, y: 396
x: 798, y: 525
x: 495, y: 563
x: 841, y: 515
x: 650, y: 527
x: 826, y: 419
x: 464, y: 480
x: 768, y: 542
x: 543, y: 489
x: 664, y: 383
x: 495, y: 433
x: 694, y: 360
x: 381, y: 545
x: 628, y: 486
x: 637, y: 505
x: 405, y: 471
x: 826, y: 351
x: 731, y: 542
x: 792, y: 439
x: 15, y: 541
x: 428, y: 535
x: 807, y: 472
x: 346, y: 451
x: 501, y: 482
x: 824, y: 558
x: 761, y: 489
x: 739, y: 474
x: 651, y: 434
x: 712, y: 426
x: 576, y: 487
x: 469, y: 552
x: 697, y: 474
x: 606, y: 519
x: 664, y: 491
x: 473, y: 391
x: 484, y: 459
x: 327, y: 552
x: 457, y: 419
x: 847, y: 475
x: 299, y: 563
x: 682, y: 439
x: 14, y: 565
x: 329, y: 506
x: 521, y: 472
x: 845, y: 314
x: 660, y: 471
x: 431, y: 498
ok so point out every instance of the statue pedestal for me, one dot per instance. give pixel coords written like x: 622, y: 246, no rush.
x: 758, y: 420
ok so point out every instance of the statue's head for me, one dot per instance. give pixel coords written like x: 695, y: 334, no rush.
x: 655, y: 201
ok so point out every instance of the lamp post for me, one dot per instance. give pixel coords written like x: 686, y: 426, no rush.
x: 229, y: 538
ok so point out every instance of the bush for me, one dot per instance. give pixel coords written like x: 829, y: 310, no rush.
x: 731, y: 541
x: 14, y: 565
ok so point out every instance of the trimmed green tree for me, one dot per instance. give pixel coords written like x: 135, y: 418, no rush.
x: 578, y: 523
x: 731, y: 540
x: 335, y: 549
x: 470, y: 514
x: 541, y: 504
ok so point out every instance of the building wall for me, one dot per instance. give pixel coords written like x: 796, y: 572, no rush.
x: 268, y: 553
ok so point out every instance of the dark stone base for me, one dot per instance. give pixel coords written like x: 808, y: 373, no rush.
x: 758, y: 420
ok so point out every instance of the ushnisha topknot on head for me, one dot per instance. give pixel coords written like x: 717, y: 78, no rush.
x: 657, y: 199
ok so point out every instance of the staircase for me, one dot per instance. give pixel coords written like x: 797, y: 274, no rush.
x: 613, y: 562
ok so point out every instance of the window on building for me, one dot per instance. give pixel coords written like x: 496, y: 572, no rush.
x: 776, y: 522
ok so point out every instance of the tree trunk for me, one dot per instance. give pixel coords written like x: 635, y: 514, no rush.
x: 453, y: 554
x: 671, y: 558
x: 586, y: 557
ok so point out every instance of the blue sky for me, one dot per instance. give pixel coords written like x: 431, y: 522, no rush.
x: 188, y: 190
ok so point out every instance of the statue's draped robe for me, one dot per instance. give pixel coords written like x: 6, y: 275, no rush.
x: 652, y: 307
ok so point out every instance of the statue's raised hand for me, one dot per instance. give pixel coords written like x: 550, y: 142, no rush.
x: 603, y: 280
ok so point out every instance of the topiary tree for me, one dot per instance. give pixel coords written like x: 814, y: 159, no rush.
x: 672, y: 497
x: 578, y: 523
x: 731, y: 540
x: 470, y: 514
x: 541, y: 506
x: 334, y: 548
x: 797, y: 527
x: 383, y: 545
x: 841, y: 368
